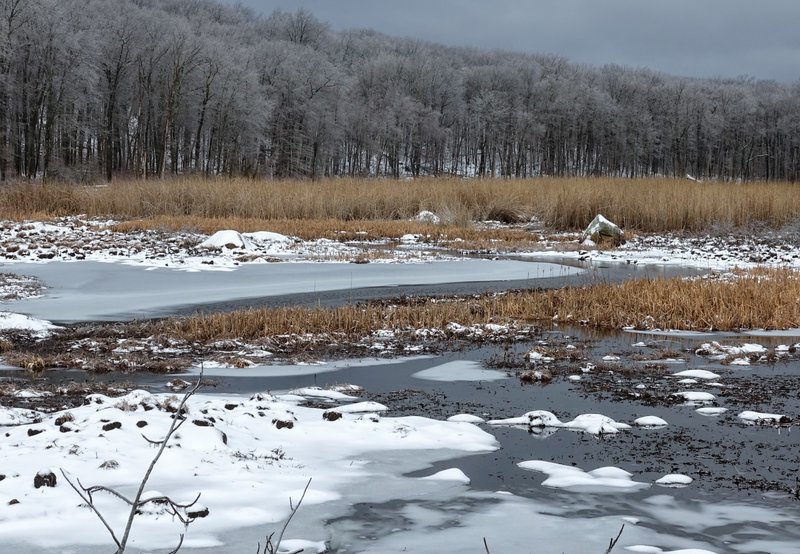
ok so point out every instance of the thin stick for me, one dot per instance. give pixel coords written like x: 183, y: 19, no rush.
x: 93, y: 508
x: 614, y: 542
x: 291, y: 514
x: 172, y: 428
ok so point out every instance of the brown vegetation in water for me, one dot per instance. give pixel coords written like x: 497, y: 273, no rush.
x: 767, y: 299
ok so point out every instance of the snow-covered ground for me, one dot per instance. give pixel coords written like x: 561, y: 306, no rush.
x: 246, y: 456
x: 713, y: 252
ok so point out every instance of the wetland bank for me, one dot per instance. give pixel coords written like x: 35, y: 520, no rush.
x: 482, y: 373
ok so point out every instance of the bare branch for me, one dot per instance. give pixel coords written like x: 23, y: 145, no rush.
x: 172, y: 428
x: 92, y: 506
x: 291, y: 514
x: 173, y: 508
x: 614, y: 542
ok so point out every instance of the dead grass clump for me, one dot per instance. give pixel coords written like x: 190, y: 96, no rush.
x: 31, y: 362
x: 5, y: 345
x: 650, y: 205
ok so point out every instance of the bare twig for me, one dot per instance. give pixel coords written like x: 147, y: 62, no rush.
x: 87, y: 499
x: 269, y: 546
x: 175, y: 509
x: 486, y: 546
x: 291, y: 514
x: 174, y: 426
x: 613, y: 542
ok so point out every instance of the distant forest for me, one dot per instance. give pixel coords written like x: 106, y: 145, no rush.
x: 148, y: 88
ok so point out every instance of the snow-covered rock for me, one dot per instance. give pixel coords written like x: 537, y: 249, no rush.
x: 602, y: 230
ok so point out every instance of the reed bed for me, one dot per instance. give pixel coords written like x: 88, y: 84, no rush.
x: 334, y: 229
x: 765, y: 299
x: 648, y: 205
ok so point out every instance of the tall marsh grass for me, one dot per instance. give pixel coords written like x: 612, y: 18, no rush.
x: 648, y: 205
x: 768, y: 299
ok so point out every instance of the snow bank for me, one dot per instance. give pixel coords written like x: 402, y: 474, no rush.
x: 261, y: 448
x: 18, y: 322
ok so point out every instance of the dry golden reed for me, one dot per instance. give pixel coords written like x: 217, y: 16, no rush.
x: 334, y: 229
x: 642, y: 204
x: 768, y: 299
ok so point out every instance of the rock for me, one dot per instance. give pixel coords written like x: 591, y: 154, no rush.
x: 281, y: 424
x: 34, y: 432
x: 330, y: 415
x: 202, y: 422
x: 44, y: 479
x: 61, y: 420
x: 141, y: 423
x: 111, y: 426
x: 13, y: 501
x: 601, y: 231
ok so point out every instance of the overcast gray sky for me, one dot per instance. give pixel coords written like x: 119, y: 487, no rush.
x: 725, y: 38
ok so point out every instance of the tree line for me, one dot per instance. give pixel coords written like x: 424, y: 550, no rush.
x: 93, y: 89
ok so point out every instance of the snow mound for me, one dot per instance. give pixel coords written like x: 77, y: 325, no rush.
x: 604, y: 479
x: 594, y: 424
x: 675, y: 480
x: 759, y: 418
x: 227, y: 239
x: 650, y: 421
x: 695, y: 396
x: 711, y: 412
x: 697, y: 374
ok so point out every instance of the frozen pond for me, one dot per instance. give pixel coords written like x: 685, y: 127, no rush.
x: 94, y: 291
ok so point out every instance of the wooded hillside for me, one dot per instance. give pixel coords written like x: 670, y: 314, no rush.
x: 92, y: 89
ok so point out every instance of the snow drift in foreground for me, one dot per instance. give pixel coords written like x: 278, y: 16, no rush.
x: 264, y: 448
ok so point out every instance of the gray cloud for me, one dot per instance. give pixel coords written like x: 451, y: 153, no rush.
x: 683, y: 37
